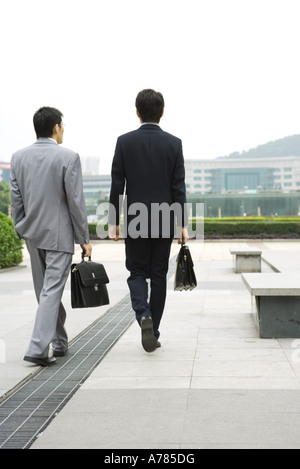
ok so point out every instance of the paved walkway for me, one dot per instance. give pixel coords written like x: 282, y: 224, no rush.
x: 213, y: 384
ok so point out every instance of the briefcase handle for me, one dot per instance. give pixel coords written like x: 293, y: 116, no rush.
x: 82, y: 256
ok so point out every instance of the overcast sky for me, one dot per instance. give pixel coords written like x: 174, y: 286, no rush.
x: 229, y: 71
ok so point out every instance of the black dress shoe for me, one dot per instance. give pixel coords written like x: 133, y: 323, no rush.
x: 41, y: 361
x: 158, y: 344
x: 149, y: 341
x: 57, y: 353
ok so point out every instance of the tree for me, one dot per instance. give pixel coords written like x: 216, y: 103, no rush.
x: 4, y: 197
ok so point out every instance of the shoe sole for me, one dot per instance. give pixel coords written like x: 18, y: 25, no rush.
x: 149, y: 341
x: 38, y: 362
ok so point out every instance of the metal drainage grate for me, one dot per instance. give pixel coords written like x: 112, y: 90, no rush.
x: 27, y: 412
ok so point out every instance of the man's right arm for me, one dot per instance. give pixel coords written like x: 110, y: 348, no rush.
x: 76, y: 203
x: 17, y: 205
x: 87, y: 249
x: 179, y: 196
x: 116, y: 193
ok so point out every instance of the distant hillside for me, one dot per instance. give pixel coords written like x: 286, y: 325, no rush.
x: 288, y: 146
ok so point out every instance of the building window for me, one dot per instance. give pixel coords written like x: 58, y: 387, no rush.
x: 287, y: 169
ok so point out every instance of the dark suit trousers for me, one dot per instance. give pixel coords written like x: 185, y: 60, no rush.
x: 148, y: 259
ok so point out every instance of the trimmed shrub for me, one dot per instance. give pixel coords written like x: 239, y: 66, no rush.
x: 250, y: 229
x: 254, y: 219
x: 10, y: 245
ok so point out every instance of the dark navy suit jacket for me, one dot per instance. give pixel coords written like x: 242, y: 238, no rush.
x: 149, y: 163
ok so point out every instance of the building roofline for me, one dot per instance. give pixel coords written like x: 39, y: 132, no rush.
x: 241, y: 160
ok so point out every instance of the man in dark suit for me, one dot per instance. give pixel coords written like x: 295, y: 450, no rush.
x: 149, y: 162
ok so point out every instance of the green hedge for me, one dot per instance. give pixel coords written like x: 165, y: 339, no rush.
x: 280, y: 229
x: 253, y: 220
x: 10, y: 245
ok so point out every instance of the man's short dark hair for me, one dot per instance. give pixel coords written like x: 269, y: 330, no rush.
x: 150, y: 105
x: 44, y: 121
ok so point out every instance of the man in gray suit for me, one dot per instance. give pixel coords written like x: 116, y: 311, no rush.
x: 49, y: 213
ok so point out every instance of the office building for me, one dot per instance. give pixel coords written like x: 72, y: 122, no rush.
x: 90, y: 165
x: 4, y: 172
x: 96, y: 188
x: 221, y: 176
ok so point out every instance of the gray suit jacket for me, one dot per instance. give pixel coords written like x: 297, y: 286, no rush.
x: 48, y: 206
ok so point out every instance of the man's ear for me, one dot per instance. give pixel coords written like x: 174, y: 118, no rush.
x: 55, y: 129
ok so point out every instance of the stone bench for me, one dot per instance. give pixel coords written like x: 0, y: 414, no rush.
x: 246, y: 260
x: 277, y: 303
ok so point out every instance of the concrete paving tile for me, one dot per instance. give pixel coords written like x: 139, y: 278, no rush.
x: 233, y: 343
x: 242, y: 354
x: 124, y: 400
x: 105, y: 428
x: 13, y: 371
x: 172, y: 350
x: 296, y: 369
x: 229, y: 320
x: 151, y: 382
x: 289, y: 344
x: 240, y: 400
x: 245, y: 383
x: 226, y: 305
x: 243, y: 369
x: 272, y: 429
x: 226, y: 296
x: 180, y: 331
x: 153, y: 368
x: 228, y: 333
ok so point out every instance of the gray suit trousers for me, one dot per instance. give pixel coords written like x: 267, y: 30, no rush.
x: 50, y: 270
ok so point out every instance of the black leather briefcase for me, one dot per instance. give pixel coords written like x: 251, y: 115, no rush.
x: 88, y: 285
x: 185, y: 278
